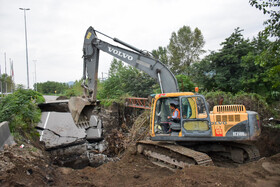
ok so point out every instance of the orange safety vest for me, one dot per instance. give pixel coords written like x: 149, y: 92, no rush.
x: 178, y: 116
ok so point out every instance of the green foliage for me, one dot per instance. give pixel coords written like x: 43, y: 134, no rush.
x: 255, y: 102
x: 185, y: 84
x: 203, y: 73
x: 75, y: 90
x: 251, y: 101
x: 161, y: 55
x: 51, y: 87
x: 108, y: 102
x: 214, y: 98
x: 184, y: 48
x: 7, y: 83
x: 235, y: 67
x: 270, y: 7
x: 227, y: 62
x: 269, y: 58
x: 255, y: 78
x: 125, y: 80
x: 21, y: 111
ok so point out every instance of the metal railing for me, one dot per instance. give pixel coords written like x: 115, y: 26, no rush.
x: 138, y: 102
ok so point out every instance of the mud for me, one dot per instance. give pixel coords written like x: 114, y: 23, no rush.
x: 269, y: 142
x: 32, y: 166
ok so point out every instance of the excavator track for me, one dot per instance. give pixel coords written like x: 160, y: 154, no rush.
x: 251, y: 151
x: 172, y: 155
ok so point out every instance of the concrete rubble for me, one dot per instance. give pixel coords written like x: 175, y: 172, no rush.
x: 6, y: 137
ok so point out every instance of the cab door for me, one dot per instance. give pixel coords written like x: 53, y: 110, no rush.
x: 195, y: 120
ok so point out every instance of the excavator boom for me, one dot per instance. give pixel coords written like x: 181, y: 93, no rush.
x: 135, y: 57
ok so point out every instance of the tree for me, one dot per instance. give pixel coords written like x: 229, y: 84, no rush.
x: 228, y: 62
x: 184, y: 48
x: 270, y: 57
x: 6, y: 83
x: 185, y: 84
x: 254, y: 78
x: 75, y: 90
x: 51, y: 87
x: 222, y: 70
x: 125, y: 80
x: 161, y: 55
x: 203, y: 72
x: 270, y: 7
x: 235, y: 67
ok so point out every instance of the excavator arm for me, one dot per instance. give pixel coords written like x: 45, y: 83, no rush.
x: 81, y: 108
x: 137, y: 58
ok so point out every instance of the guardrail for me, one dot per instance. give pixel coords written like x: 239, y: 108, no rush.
x: 138, y: 102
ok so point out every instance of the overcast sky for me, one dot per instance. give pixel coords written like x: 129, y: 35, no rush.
x: 56, y: 29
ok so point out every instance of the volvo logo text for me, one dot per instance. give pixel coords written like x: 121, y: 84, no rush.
x: 120, y: 54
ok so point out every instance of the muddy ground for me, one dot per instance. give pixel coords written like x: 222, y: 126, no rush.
x: 32, y: 166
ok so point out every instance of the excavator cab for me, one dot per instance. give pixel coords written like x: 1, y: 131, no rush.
x: 162, y: 122
x: 195, y: 116
x: 193, y: 120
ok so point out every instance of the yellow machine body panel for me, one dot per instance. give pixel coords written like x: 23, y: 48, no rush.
x: 225, y: 122
x: 224, y: 117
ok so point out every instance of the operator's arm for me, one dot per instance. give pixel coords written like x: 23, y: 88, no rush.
x: 175, y: 114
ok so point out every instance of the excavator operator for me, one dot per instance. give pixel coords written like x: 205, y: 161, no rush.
x: 176, y: 113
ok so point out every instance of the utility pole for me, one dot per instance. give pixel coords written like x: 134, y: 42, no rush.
x: 5, y: 63
x: 1, y: 81
x: 6, y: 74
x: 35, y: 75
x: 24, y: 10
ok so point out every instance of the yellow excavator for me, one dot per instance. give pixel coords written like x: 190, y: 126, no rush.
x: 194, y: 136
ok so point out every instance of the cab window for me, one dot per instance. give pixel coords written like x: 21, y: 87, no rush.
x: 163, y: 108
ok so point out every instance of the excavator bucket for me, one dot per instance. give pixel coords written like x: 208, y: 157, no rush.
x: 81, y: 110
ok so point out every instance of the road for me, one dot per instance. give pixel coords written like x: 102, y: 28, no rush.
x: 58, y: 128
x: 50, y: 98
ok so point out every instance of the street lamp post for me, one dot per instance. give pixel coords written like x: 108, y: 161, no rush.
x: 24, y: 9
x: 35, y: 75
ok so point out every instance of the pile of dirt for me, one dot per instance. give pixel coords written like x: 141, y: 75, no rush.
x: 25, y: 166
x: 120, y: 138
x: 29, y: 166
x: 62, y: 97
x: 269, y: 141
x: 115, y: 142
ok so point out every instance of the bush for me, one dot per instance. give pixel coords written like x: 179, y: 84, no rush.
x: 254, y: 102
x: 184, y: 83
x: 214, y: 98
x: 71, y: 93
x: 21, y: 111
x: 251, y: 101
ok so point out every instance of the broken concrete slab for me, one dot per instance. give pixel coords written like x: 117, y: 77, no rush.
x: 58, y: 128
x: 5, y: 135
x: 54, y: 141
